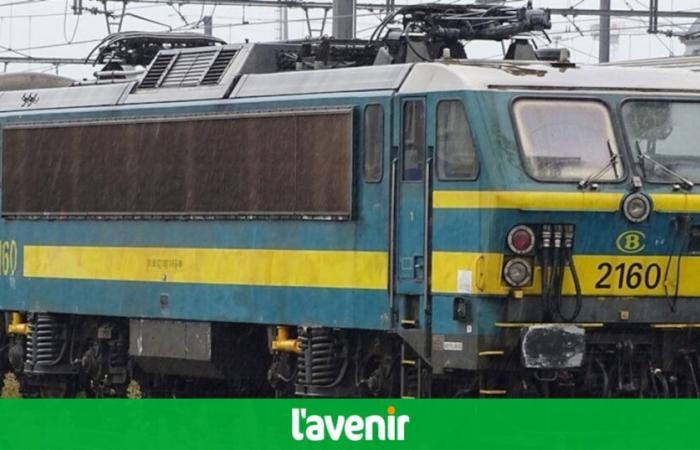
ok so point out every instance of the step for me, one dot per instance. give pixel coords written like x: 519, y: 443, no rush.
x: 492, y: 392
x: 409, y: 323
x: 492, y: 353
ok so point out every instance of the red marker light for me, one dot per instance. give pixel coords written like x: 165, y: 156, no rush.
x: 521, y: 239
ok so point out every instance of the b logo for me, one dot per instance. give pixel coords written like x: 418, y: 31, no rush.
x: 631, y: 242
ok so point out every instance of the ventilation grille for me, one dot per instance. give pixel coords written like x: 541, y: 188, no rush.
x: 217, y: 69
x: 155, y: 72
x: 189, y: 69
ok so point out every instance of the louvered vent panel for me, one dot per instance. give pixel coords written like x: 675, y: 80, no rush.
x: 155, y: 72
x: 219, y: 66
x: 189, y: 69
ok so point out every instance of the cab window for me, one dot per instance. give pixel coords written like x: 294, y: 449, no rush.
x: 456, y: 157
x: 373, y: 128
x: 567, y: 140
x: 413, y: 140
x: 664, y: 138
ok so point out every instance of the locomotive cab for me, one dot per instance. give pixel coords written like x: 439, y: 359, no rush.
x: 572, y: 252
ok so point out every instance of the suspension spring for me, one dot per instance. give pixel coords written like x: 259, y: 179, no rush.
x: 46, y: 342
x: 324, y: 358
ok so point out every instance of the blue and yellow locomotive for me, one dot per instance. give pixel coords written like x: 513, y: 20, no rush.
x: 423, y: 224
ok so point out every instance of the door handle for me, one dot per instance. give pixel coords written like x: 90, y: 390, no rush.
x: 418, y: 265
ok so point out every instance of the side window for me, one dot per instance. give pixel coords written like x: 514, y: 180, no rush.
x: 413, y: 140
x: 373, y: 129
x: 456, y: 157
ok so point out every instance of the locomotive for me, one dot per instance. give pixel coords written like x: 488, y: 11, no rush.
x: 376, y: 218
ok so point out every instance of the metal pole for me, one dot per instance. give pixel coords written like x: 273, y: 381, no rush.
x: 653, y: 16
x: 283, y: 24
x: 208, y: 23
x: 344, y: 19
x: 604, y: 32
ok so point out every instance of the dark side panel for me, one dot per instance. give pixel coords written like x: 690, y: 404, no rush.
x: 289, y: 164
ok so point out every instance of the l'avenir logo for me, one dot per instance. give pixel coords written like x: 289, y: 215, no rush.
x: 315, y: 427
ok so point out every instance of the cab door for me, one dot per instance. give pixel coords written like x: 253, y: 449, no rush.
x: 413, y: 159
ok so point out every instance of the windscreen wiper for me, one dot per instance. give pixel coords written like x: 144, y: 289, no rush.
x: 612, y: 162
x: 686, y: 183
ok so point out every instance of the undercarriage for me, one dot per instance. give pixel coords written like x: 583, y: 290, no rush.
x: 57, y: 355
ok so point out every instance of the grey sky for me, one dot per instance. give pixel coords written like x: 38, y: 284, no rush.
x: 43, y: 27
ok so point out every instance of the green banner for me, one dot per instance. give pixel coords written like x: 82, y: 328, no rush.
x: 353, y: 424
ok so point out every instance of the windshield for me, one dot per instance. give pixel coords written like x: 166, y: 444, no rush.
x: 668, y: 133
x: 567, y: 140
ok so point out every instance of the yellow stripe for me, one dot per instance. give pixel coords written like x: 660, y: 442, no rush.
x: 329, y: 269
x: 486, y: 275
x: 298, y: 268
x: 678, y: 202
x: 558, y: 201
x: 527, y: 200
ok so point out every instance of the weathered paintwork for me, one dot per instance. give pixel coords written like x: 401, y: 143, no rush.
x: 470, y: 220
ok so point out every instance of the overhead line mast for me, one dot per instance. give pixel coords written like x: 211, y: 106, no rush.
x: 604, y: 33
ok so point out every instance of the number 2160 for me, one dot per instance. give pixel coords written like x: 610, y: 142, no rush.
x: 630, y: 276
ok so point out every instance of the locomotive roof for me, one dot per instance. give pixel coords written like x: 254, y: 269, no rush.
x: 471, y: 75
x: 439, y: 76
x: 667, y: 62
x: 506, y: 75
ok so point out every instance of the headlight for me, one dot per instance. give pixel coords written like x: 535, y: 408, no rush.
x: 636, y: 207
x: 517, y: 272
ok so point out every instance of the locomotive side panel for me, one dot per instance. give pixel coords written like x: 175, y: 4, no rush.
x: 199, y: 166
x: 82, y: 205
